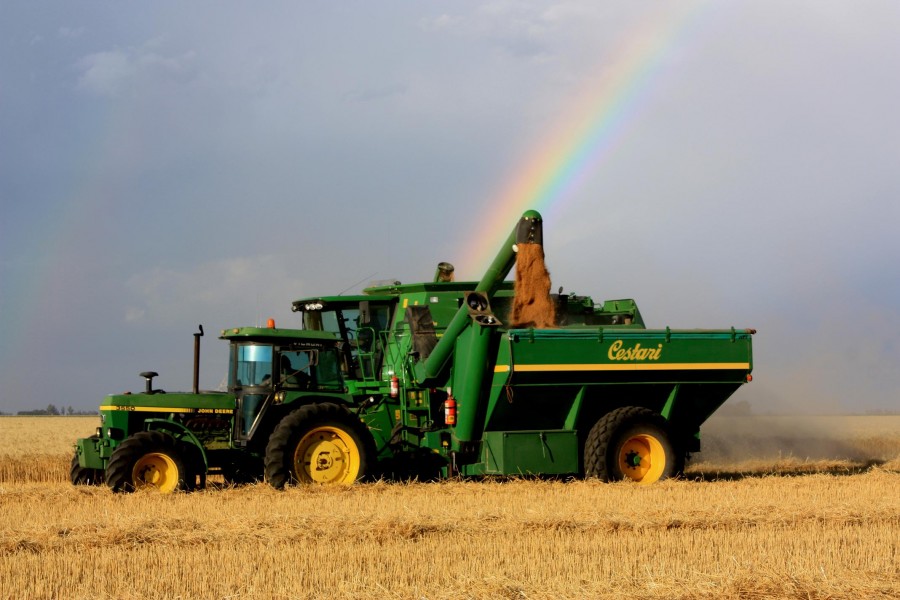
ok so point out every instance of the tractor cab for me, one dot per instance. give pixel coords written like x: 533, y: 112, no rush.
x: 269, y: 366
x: 361, y: 323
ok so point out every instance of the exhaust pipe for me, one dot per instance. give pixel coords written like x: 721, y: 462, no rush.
x: 444, y: 272
x: 197, y: 337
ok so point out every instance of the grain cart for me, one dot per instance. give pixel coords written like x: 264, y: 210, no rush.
x: 434, y: 379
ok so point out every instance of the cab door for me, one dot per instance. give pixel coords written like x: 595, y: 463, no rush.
x: 252, y: 374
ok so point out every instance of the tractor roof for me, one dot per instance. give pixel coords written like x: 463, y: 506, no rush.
x: 275, y: 335
x: 390, y: 292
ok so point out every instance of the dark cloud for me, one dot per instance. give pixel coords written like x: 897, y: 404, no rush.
x: 169, y: 165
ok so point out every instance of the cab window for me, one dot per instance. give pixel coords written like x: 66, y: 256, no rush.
x: 328, y: 371
x: 362, y: 332
x: 295, y: 369
x: 251, y: 365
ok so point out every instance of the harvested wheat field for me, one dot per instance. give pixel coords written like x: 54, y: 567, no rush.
x: 787, y: 527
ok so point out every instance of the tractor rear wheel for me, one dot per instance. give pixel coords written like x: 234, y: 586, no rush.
x: 631, y: 443
x: 79, y: 475
x: 318, y: 443
x: 148, y: 459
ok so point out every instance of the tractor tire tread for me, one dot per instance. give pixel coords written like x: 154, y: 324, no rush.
x: 79, y: 475
x: 277, y: 459
x: 121, y: 463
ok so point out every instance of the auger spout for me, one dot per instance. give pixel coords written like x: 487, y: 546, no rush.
x: 528, y: 230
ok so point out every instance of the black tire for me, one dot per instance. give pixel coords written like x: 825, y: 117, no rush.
x: 631, y: 443
x: 79, y: 475
x: 319, y: 443
x: 148, y: 459
x: 242, y: 469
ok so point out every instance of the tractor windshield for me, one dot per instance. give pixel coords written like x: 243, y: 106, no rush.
x: 251, y: 365
x: 318, y: 320
x: 361, y: 326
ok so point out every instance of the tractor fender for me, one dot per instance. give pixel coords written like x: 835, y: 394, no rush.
x: 289, y: 405
x: 180, y: 433
x: 317, y: 398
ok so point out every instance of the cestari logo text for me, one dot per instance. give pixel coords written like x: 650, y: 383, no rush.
x: 617, y: 352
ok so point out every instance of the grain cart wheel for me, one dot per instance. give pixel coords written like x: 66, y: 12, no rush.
x: 318, y: 443
x: 79, y: 475
x: 147, y: 459
x: 630, y: 443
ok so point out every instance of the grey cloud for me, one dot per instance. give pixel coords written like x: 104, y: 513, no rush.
x: 105, y: 73
x: 112, y: 72
x: 219, y: 151
x: 376, y: 93
x: 162, y: 296
x: 71, y: 32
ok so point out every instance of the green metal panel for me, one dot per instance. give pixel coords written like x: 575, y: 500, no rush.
x: 470, y: 366
x: 89, y: 453
x: 589, y: 354
x: 666, y: 412
x: 530, y: 452
x: 275, y: 335
x: 175, y: 402
x: 684, y: 374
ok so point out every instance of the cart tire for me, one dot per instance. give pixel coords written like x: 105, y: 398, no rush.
x: 148, y: 459
x: 631, y: 443
x: 318, y: 443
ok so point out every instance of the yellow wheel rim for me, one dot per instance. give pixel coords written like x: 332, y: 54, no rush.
x: 156, y: 470
x: 642, y: 458
x: 327, y: 455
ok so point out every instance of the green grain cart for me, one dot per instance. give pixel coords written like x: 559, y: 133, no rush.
x: 428, y: 380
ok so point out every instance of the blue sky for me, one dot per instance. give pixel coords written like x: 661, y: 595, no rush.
x: 168, y: 164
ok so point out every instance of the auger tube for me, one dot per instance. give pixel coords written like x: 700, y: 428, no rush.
x: 528, y: 230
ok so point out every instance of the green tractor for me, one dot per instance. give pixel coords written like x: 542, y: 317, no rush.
x: 286, y: 405
x: 429, y: 380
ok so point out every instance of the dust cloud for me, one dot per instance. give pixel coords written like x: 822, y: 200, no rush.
x: 733, y: 439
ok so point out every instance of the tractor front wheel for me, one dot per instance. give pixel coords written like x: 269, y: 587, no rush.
x: 242, y: 469
x: 318, y: 443
x: 631, y: 443
x: 148, y: 459
x: 79, y: 475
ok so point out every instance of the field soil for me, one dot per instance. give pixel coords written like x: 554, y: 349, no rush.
x: 741, y: 524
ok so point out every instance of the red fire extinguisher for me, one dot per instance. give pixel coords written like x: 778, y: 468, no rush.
x: 449, y: 409
x: 395, y: 386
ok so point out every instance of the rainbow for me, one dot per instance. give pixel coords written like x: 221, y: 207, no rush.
x: 587, y: 134
x: 34, y: 294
